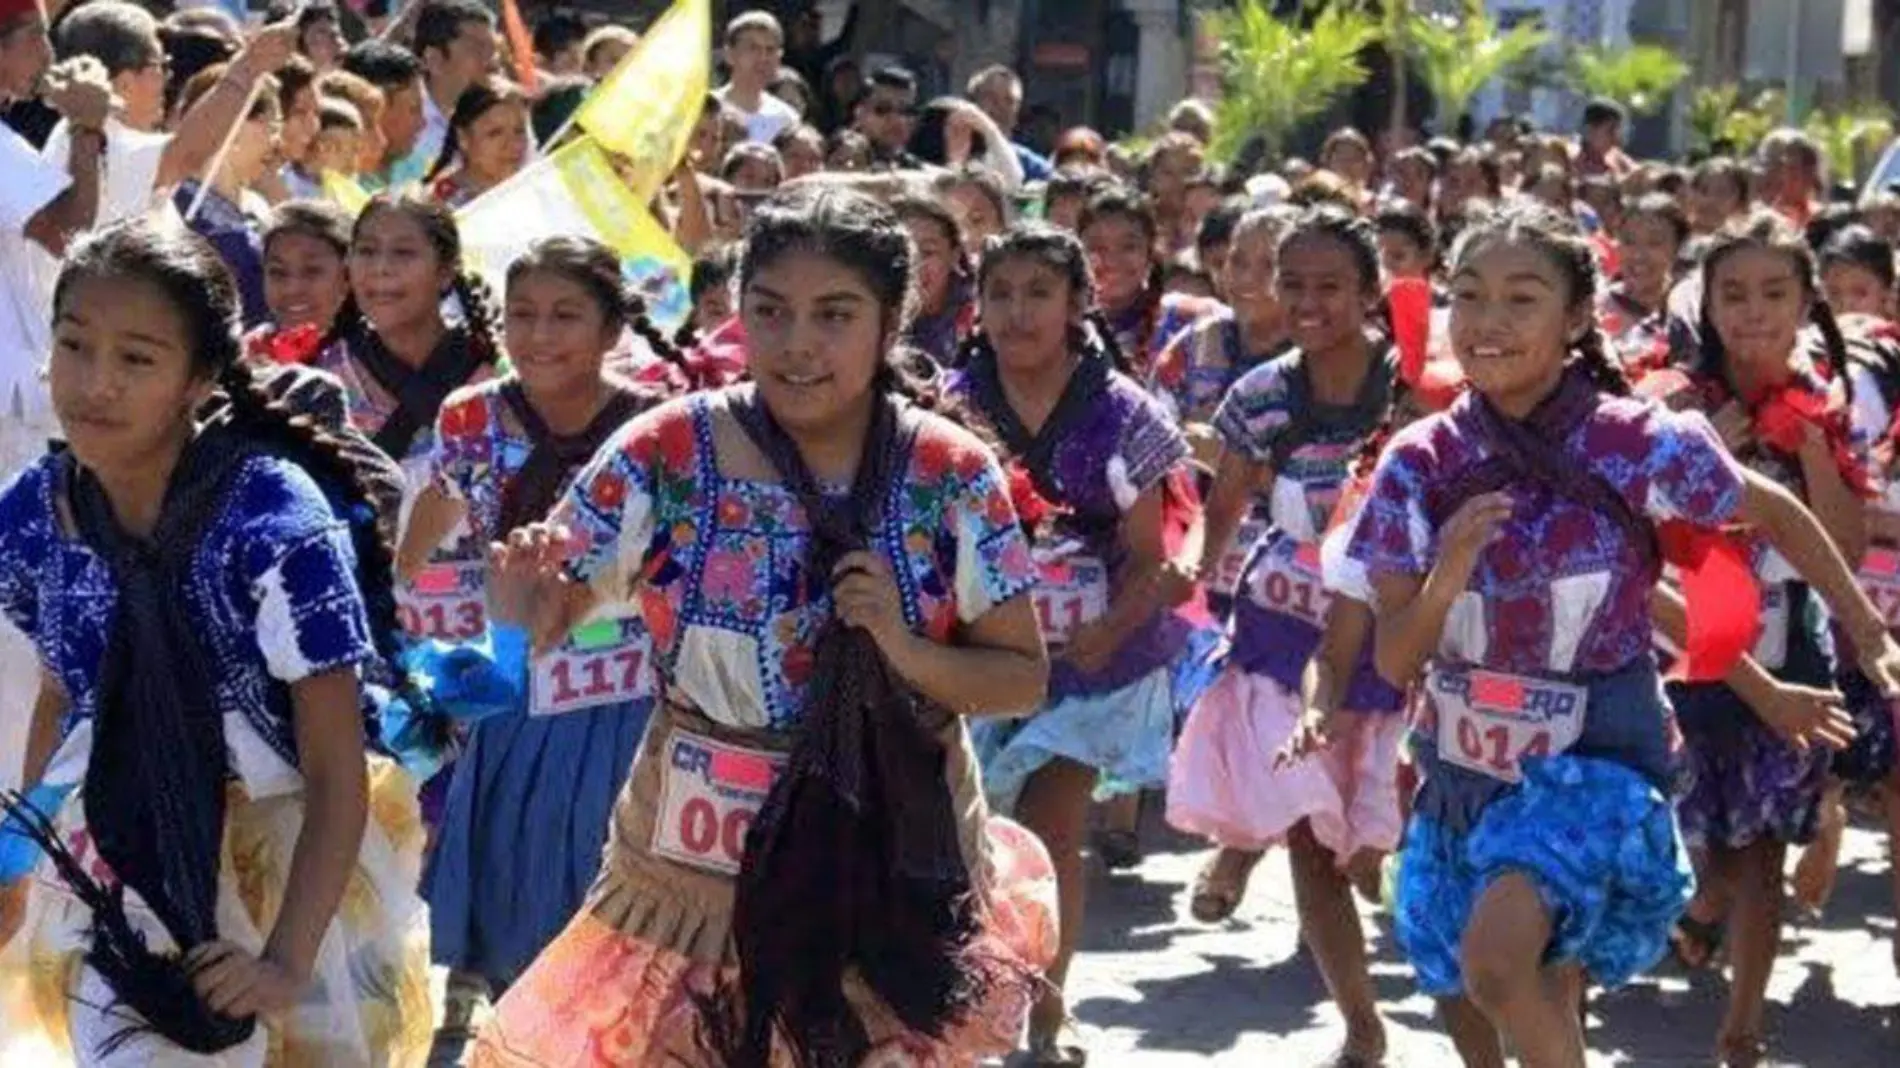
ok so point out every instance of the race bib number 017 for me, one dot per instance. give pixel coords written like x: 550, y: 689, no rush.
x: 709, y: 795
x: 445, y: 602
x: 1880, y: 577
x: 1489, y: 722
x: 1070, y: 593
x: 603, y: 663
x: 1289, y: 582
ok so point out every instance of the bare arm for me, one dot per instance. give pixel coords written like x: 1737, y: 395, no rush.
x: 202, y: 130
x: 1236, y: 480
x: 1348, y: 628
x: 42, y: 735
x: 1798, y: 535
x: 1842, y: 513
x: 1412, y: 608
x: 329, y: 729
x: 71, y: 212
x: 997, y: 667
x: 431, y: 520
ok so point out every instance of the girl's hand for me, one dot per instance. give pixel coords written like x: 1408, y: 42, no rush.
x: 1880, y: 662
x: 1315, y: 734
x: 528, y: 584
x: 866, y: 596
x: 1174, y: 585
x: 1805, y: 717
x: 1471, y: 528
x: 237, y: 984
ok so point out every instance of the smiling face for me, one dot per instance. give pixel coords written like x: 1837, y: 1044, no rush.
x: 1321, y: 293
x: 1757, y: 304
x: 1648, y: 254
x: 1120, y: 254
x: 304, y: 280
x: 1247, y: 274
x: 816, y: 336
x: 936, y: 259
x: 495, y: 145
x: 557, y: 333
x: 1029, y: 309
x: 395, y: 271
x: 1854, y: 290
x: 1512, y: 318
x: 121, y: 374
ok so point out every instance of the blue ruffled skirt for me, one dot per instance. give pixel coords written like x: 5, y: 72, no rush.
x: 1126, y: 734
x: 1598, y: 840
x: 521, y: 837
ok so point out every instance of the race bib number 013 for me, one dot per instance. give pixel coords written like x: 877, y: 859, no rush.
x: 709, y: 795
x: 1289, y: 582
x: 445, y: 602
x: 1070, y: 593
x: 1489, y: 722
x: 1880, y: 577
x: 603, y: 663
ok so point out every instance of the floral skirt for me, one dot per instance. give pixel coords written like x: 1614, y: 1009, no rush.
x: 1222, y: 783
x: 1596, y: 839
x: 600, y: 997
x: 1745, y: 784
x: 367, y: 1005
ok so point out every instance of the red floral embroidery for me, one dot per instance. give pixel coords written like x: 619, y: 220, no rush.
x: 933, y: 457
x: 1032, y: 508
x: 297, y: 345
x: 464, y: 420
x: 608, y: 491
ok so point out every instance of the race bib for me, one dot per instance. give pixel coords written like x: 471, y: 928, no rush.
x: 446, y: 602
x: 607, y: 662
x: 1287, y: 581
x: 1880, y: 577
x: 1227, y: 576
x: 1070, y: 592
x: 1488, y: 721
x: 1771, y: 648
x: 710, y: 792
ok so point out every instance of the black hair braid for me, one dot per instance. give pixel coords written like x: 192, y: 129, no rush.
x: 1593, y: 356
x: 451, y: 147
x: 301, y: 440
x: 1833, y: 351
x: 633, y: 313
x: 1098, y: 335
x: 1374, y: 443
x: 686, y: 337
x: 483, y: 312
x: 349, y: 318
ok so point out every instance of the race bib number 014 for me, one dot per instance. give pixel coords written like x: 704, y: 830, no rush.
x: 603, y: 663
x: 1070, y: 593
x: 709, y: 795
x: 446, y: 602
x: 1489, y: 722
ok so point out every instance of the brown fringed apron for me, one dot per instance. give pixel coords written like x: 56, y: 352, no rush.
x: 688, y: 909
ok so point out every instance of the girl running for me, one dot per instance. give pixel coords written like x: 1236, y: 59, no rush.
x: 1102, y: 452
x: 1118, y: 229
x: 1510, y: 547
x: 228, y: 878
x: 813, y: 533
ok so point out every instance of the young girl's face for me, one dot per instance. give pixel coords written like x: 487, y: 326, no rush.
x: 304, y: 280
x: 1648, y: 248
x: 1028, y: 309
x: 300, y: 125
x: 1512, y: 318
x: 1321, y: 293
x: 1121, y: 254
x: 495, y: 145
x: 936, y: 259
x: 1854, y: 290
x: 755, y: 176
x: 557, y: 333
x: 816, y: 335
x: 338, y: 149
x: 1169, y: 174
x: 1757, y: 304
x: 1401, y: 257
x: 1064, y: 212
x: 713, y: 308
x: 803, y: 155
x: 1247, y: 276
x: 1413, y: 180
x: 1713, y: 201
x: 976, y: 215
x: 395, y: 272
x: 121, y: 374
x: 1350, y: 161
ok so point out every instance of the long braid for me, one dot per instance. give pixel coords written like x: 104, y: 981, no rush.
x: 451, y: 147
x: 635, y: 315
x: 1593, y: 356
x: 1833, y: 352
x: 304, y: 442
x: 1098, y: 335
x: 349, y: 317
x: 484, y: 315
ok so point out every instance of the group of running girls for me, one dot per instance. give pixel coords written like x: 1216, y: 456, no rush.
x: 700, y: 708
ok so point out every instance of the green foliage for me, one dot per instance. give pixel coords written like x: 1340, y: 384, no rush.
x: 1457, y: 55
x: 1841, y: 135
x: 1724, y: 113
x: 1639, y: 77
x: 1277, y: 74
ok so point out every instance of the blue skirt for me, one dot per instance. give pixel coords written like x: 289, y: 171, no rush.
x: 522, y: 834
x: 1599, y: 842
x: 1126, y: 734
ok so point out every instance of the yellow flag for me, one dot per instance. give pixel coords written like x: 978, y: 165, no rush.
x: 344, y: 190
x: 646, y: 109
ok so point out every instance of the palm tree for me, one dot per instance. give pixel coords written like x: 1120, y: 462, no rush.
x: 1842, y: 134
x: 1720, y: 114
x: 1639, y: 77
x: 1276, y: 74
x: 1457, y: 55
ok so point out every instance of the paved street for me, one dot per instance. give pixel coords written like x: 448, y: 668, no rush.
x: 1155, y: 989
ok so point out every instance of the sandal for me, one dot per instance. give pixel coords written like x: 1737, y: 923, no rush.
x: 1119, y: 849
x: 1695, y: 943
x: 1061, y: 1048
x: 1217, y: 894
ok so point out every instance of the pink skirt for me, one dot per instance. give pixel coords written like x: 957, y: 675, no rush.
x: 598, y: 997
x: 1222, y: 783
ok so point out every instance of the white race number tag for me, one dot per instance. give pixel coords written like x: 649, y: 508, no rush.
x: 1488, y: 721
x: 1771, y: 649
x: 1287, y: 581
x: 710, y: 792
x: 446, y: 602
x: 1227, y: 575
x: 1070, y: 592
x: 603, y: 663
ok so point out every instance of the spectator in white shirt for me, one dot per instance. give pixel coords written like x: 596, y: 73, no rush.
x: 754, y: 43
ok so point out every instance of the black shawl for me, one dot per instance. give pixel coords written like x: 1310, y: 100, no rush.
x: 552, y: 458
x: 419, y: 391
